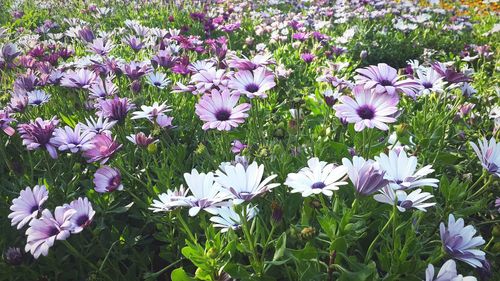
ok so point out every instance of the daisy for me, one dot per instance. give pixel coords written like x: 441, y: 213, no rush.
x: 37, y: 97
x: 27, y: 205
x: 447, y: 272
x: 158, y: 80
x: 489, y: 155
x: 430, y: 81
x: 73, y: 140
x: 318, y: 177
x: 151, y: 112
x: 227, y: 218
x: 219, y: 110
x: 39, y: 133
x: 107, y: 179
x: 103, y: 147
x: 253, y: 83
x: 367, y: 109
x: 101, y: 125
x: 250, y: 64
x: 83, y: 215
x: 140, y: 139
x: 101, y: 46
x: 101, y: 90
x: 115, y: 109
x: 384, y: 79
x: 5, y: 121
x: 168, y: 201
x: 460, y: 243
x: 365, y: 175
x: 82, y: 78
x: 244, y: 183
x: 43, y: 232
x: 400, y: 171
x: 205, y: 80
x: 416, y: 199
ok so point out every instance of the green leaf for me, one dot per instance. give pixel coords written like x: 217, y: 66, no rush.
x: 280, y: 247
x: 179, y: 274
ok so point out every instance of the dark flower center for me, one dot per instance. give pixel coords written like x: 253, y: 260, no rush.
x: 407, y: 204
x: 318, y: 185
x: 223, y: 115
x: 252, y: 88
x: 82, y: 220
x: 157, y: 84
x: 114, y: 183
x: 366, y: 112
x: 53, y: 231
x: 34, y: 208
x: 427, y: 85
x: 385, y: 82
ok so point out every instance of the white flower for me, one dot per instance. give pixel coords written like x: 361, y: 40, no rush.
x: 489, y: 155
x: 101, y: 125
x: 401, y: 171
x: 416, y: 199
x: 227, y: 218
x: 151, y: 112
x: 430, y: 81
x: 157, y: 79
x: 38, y: 97
x: 245, y: 184
x: 318, y: 177
x: 206, y: 193
x: 168, y: 201
x: 448, y: 272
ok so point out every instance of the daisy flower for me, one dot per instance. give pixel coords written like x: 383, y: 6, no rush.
x: 447, y: 272
x: 367, y: 109
x: 365, y: 175
x: 244, y: 183
x: 253, y: 83
x: 158, y: 80
x: 37, y: 97
x: 39, y: 133
x: 318, y: 177
x: 27, y: 205
x: 82, y: 78
x: 168, y: 201
x: 83, y: 215
x: 384, y: 79
x: 101, y: 125
x: 151, y: 112
x: 73, y: 140
x: 489, y: 155
x: 103, y: 147
x: 107, y: 179
x: 400, y: 171
x: 227, y: 218
x: 219, y: 110
x: 430, y: 81
x: 416, y: 199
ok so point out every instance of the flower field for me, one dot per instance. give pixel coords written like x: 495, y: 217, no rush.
x: 249, y: 140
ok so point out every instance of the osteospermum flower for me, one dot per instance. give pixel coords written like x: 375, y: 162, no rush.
x: 245, y: 183
x: 430, y: 81
x: 318, y: 177
x: 115, y: 109
x: 207, y: 79
x: 158, y: 80
x: 219, y: 110
x: 367, y: 109
x: 489, y: 155
x: 82, y: 78
x: 101, y: 125
x: 73, y: 140
x: 459, y: 243
x: 39, y: 133
x: 384, y: 79
x: 227, y: 218
x: 27, y: 205
x: 103, y: 147
x: 400, y: 171
x: 168, y: 201
x: 5, y: 120
x: 151, y: 112
x: 365, y: 175
x: 37, y: 97
x: 447, y: 272
x: 107, y: 179
x: 416, y: 199
x: 43, y: 232
x: 140, y: 139
x: 83, y: 215
x: 253, y: 83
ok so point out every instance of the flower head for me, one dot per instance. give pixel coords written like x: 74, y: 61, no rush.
x: 151, y: 112
x: 365, y: 175
x: 318, y: 177
x: 140, y: 139
x: 219, y: 110
x: 82, y: 78
x: 168, y: 201
x: 5, y: 120
x: 37, y: 97
x: 101, y: 125
x: 39, y: 133
x: 253, y: 83
x: 73, y: 140
x: 489, y: 155
x: 158, y: 80
x: 115, y: 109
x: 83, y: 215
x: 367, y: 109
x: 416, y: 199
x: 245, y: 183
x: 103, y: 147
x: 448, y: 272
x: 107, y: 179
x: 27, y: 205
x: 384, y: 79
x: 227, y: 218
x: 458, y: 242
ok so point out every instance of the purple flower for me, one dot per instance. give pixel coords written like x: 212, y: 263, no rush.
x: 365, y: 175
x: 135, y: 70
x: 86, y: 34
x: 368, y: 109
x: 82, y: 78
x: 27, y: 205
x: 164, y: 121
x: 489, y: 155
x: 83, y: 215
x: 219, y: 110
x: 103, y: 147
x: 247, y: 64
x: 107, y: 179
x: 300, y: 36
x: 307, y: 57
x: 18, y: 102
x: 448, y: 272
x: 5, y: 120
x: 43, y: 232
x: 141, y: 139
x: 253, y: 83
x: 164, y: 59
x: 237, y: 146
x: 37, y: 97
x: 384, y: 79
x: 8, y: 53
x: 101, y: 46
x: 449, y: 74
x: 73, y: 140
x: 458, y: 242
x: 39, y: 133
x: 115, y: 109
x: 497, y: 203
x: 135, y: 43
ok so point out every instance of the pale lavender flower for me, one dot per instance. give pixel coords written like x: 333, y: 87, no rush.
x: 135, y: 70
x: 227, y: 218
x: 168, y: 201
x: 103, y: 147
x: 158, y: 80
x: 164, y: 121
x: 82, y: 78
x: 43, y: 232
x: 251, y: 64
x: 101, y: 46
x: 74, y: 140
x: 27, y: 205
x: 459, y: 243
x: 83, y: 215
x: 5, y: 120
x: 115, y: 109
x: 253, y: 83
x: 101, y: 125
x: 140, y: 139
x: 447, y: 272
x: 237, y: 146
x: 365, y: 175
x: 99, y: 90
x: 39, y: 134
x: 37, y: 97
x: 384, y: 79
x: 107, y: 179
x: 416, y: 199
x: 489, y: 155
x: 151, y: 112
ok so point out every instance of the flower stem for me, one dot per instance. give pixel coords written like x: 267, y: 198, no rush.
x: 372, y: 245
x: 186, y: 228
x: 254, y: 260
x: 485, y: 186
